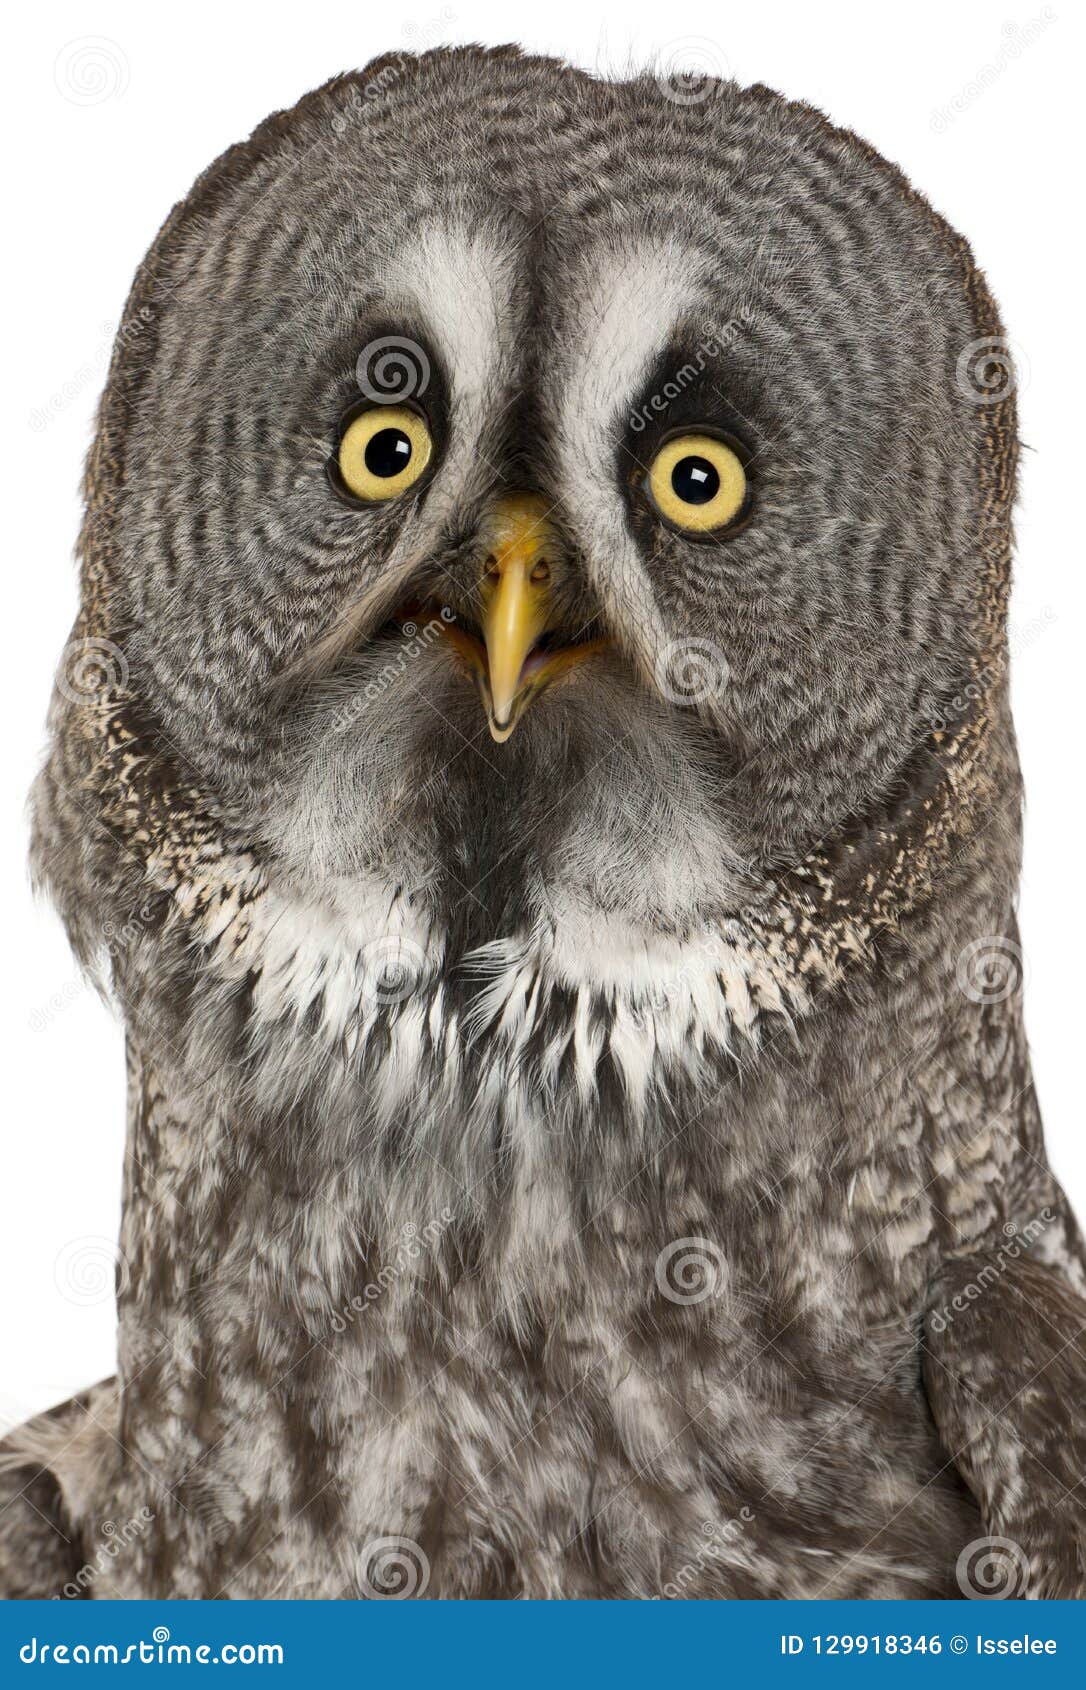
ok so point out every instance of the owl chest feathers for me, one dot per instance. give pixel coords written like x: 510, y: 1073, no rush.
x: 357, y: 1001
x: 479, y: 1232
x: 493, y: 1356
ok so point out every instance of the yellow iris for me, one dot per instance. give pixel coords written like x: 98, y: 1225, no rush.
x: 384, y: 452
x: 698, y: 483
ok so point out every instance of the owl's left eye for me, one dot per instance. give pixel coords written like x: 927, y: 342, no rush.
x: 383, y: 452
x: 697, y: 482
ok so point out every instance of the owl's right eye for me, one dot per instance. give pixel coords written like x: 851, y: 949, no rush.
x: 383, y: 452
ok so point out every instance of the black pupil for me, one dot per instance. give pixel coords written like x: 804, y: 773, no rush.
x: 695, y: 481
x: 388, y: 453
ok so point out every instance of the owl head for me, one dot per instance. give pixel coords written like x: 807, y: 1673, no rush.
x: 560, y: 504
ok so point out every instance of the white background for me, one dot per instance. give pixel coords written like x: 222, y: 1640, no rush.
x: 978, y: 102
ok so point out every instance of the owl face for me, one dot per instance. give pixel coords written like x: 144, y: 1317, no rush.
x: 547, y: 495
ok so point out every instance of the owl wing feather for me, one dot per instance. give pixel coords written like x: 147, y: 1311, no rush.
x: 40, y: 1553
x: 43, y: 1549
x: 1004, y: 1360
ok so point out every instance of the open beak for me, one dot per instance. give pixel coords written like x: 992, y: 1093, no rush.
x: 517, y: 598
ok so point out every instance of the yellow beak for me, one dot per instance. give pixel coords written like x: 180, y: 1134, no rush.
x: 523, y: 559
x: 516, y: 600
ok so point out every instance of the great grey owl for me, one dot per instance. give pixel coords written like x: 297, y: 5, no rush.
x: 533, y: 767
